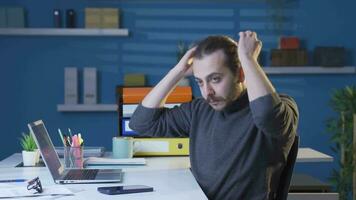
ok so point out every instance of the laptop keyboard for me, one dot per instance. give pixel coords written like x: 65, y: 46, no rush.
x: 81, y: 174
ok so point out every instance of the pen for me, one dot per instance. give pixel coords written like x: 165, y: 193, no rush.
x: 61, y: 135
x: 70, y: 132
x: 13, y: 180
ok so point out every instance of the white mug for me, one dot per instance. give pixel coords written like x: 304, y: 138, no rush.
x: 123, y: 147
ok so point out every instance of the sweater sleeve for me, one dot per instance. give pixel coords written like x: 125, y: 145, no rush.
x: 162, y: 122
x: 276, y: 115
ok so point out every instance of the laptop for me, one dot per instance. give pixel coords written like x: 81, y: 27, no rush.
x: 56, y: 168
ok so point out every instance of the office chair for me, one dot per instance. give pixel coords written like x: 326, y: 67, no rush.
x: 286, y: 175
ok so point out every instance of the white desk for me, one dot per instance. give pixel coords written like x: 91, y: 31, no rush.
x: 170, y: 180
x: 183, y: 162
x: 170, y: 177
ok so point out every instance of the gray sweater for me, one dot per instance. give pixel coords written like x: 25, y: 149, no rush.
x: 236, y: 153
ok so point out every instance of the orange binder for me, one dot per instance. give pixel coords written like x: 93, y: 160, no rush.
x: 134, y: 95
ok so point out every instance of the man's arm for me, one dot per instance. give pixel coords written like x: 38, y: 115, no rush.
x: 151, y: 119
x: 158, y: 95
x: 257, y: 83
x: 274, y: 115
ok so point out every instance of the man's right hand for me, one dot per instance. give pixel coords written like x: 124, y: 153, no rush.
x: 157, y: 96
x: 184, y: 66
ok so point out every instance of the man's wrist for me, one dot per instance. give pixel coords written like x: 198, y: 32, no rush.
x: 247, y: 60
x: 177, y: 72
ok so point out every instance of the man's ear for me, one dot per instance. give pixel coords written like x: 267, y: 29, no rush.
x: 240, y: 75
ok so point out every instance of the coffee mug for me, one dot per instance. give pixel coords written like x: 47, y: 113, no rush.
x: 123, y: 147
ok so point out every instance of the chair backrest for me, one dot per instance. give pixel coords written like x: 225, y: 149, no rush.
x: 286, y: 175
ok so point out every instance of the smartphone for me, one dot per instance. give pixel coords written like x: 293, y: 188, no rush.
x: 126, y: 189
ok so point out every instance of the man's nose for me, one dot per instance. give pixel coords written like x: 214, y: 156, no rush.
x: 208, y: 90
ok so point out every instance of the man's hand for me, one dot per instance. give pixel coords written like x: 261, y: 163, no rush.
x: 184, y: 66
x: 257, y: 82
x: 249, y: 47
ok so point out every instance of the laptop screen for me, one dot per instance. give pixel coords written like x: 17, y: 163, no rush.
x: 44, y: 143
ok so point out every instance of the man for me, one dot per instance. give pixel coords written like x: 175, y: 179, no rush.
x: 240, y: 131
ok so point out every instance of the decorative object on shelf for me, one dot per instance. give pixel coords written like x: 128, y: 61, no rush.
x: 110, y: 18
x: 289, y: 57
x: 71, y: 85
x: 57, y: 18
x: 330, y: 56
x: 90, y: 85
x: 138, y: 80
x: 12, y: 17
x: 2, y: 17
x: 343, y: 102
x: 70, y: 18
x: 30, y: 153
x: 289, y: 43
x: 102, y: 18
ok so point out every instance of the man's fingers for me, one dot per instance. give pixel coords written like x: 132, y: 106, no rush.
x: 242, y: 34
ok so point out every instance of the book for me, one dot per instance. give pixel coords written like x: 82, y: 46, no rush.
x: 114, y: 161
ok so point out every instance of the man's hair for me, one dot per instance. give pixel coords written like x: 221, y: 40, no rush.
x: 212, y: 44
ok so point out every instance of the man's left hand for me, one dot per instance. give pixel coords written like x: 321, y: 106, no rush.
x: 249, y: 47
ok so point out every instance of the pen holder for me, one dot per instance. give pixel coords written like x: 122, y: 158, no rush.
x: 73, y: 157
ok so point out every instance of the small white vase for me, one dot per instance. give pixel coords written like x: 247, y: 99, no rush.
x: 29, y: 158
x: 38, y: 154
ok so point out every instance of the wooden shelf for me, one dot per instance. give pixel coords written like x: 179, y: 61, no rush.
x: 63, y: 32
x: 87, y: 108
x: 309, y: 70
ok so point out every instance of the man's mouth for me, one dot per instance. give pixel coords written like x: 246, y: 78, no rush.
x: 214, y: 103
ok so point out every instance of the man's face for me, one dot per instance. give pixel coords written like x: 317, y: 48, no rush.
x: 218, y: 85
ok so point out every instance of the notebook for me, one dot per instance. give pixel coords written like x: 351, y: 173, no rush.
x: 56, y: 168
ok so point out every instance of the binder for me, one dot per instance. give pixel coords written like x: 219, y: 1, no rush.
x: 129, y: 109
x: 161, y: 146
x: 135, y: 95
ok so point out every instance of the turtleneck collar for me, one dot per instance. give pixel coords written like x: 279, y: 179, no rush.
x: 240, y: 103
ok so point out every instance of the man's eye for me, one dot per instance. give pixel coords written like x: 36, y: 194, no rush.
x: 216, y: 79
x: 200, y: 83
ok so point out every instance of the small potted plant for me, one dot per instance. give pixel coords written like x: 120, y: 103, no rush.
x: 30, y: 153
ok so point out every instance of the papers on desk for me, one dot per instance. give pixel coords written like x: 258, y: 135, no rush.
x: 21, y: 191
x: 114, y: 161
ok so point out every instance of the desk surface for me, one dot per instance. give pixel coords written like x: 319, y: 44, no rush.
x: 170, y: 181
x: 182, y: 162
x: 170, y: 177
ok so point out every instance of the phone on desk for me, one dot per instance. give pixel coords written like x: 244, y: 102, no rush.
x: 126, y: 189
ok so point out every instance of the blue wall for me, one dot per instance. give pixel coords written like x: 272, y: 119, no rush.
x: 32, y: 67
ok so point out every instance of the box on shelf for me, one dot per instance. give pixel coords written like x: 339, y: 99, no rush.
x: 71, y: 85
x: 137, y: 80
x: 330, y: 56
x: 12, y: 17
x: 92, y: 18
x: 2, y: 17
x: 110, y: 18
x: 289, y: 43
x: 102, y: 18
x: 289, y: 57
x: 90, y: 86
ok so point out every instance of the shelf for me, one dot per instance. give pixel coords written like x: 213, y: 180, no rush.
x: 309, y: 70
x: 63, y: 32
x: 87, y: 108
